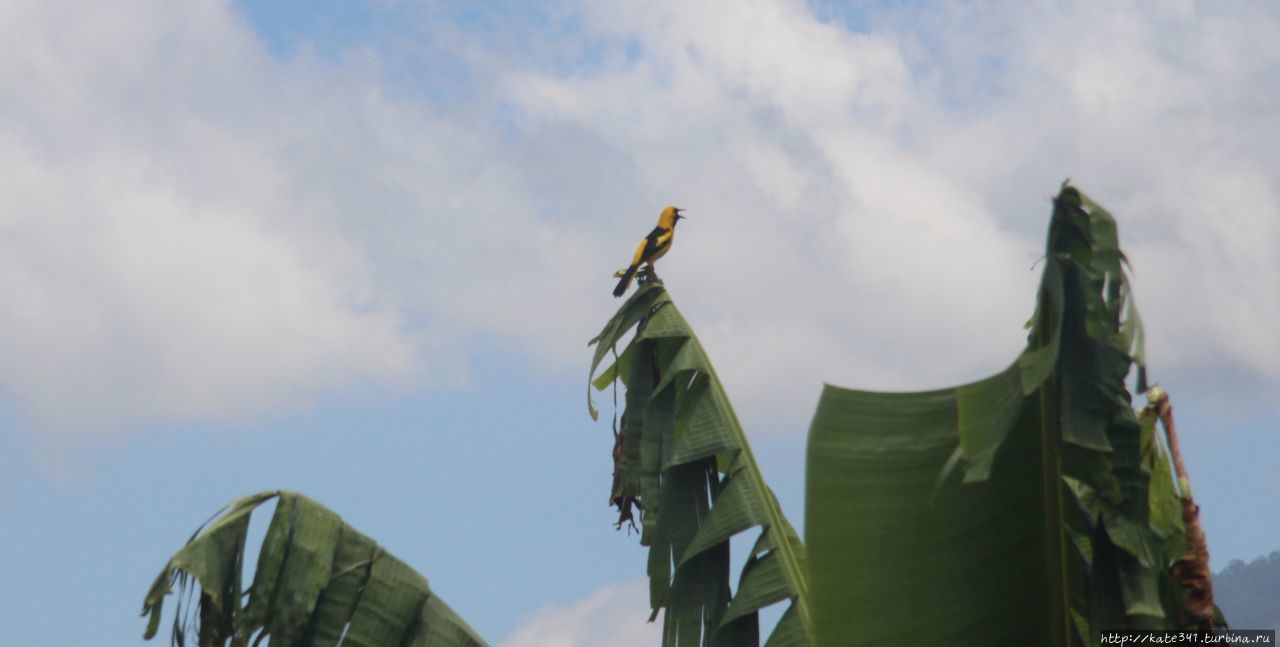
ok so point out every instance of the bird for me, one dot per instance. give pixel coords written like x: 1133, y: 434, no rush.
x: 657, y: 243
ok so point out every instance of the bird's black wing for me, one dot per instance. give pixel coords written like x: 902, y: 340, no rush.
x: 652, y: 244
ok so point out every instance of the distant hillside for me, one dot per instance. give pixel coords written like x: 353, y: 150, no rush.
x: 1249, y: 594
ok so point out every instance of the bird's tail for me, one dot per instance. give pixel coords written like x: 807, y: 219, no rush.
x: 625, y: 281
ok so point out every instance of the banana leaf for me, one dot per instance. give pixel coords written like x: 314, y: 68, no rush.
x: 1030, y: 507
x: 318, y: 582
x: 683, y: 459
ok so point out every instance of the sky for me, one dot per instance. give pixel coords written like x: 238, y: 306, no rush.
x: 356, y: 250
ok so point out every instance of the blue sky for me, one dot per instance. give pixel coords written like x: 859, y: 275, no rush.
x: 356, y: 250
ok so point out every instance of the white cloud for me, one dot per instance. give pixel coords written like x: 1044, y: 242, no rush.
x: 193, y: 228
x: 1164, y: 114
x: 886, y: 193
x: 158, y: 258
x: 614, y: 615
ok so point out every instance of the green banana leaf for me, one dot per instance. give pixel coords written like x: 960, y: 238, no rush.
x: 1030, y: 508
x: 318, y: 582
x: 683, y: 459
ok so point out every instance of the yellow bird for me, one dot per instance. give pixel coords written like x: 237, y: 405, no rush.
x: 657, y: 243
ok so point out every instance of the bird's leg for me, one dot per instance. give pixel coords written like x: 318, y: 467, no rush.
x: 647, y: 274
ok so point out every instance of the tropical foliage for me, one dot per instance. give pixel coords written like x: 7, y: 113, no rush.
x: 682, y: 459
x: 318, y: 582
x: 1032, y: 507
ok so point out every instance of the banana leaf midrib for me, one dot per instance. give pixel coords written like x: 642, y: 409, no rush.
x: 788, y: 559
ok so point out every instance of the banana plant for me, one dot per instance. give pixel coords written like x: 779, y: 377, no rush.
x: 1033, y: 507
x: 682, y: 459
x: 318, y: 582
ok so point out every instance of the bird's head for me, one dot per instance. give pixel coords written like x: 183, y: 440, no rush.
x: 669, y: 217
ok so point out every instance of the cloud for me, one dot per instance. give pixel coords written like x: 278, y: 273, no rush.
x: 1161, y: 114
x: 159, y: 259
x: 195, y: 228
x: 874, y: 201
x: 613, y: 615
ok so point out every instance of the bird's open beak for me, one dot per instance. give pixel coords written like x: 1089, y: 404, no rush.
x: 678, y: 216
